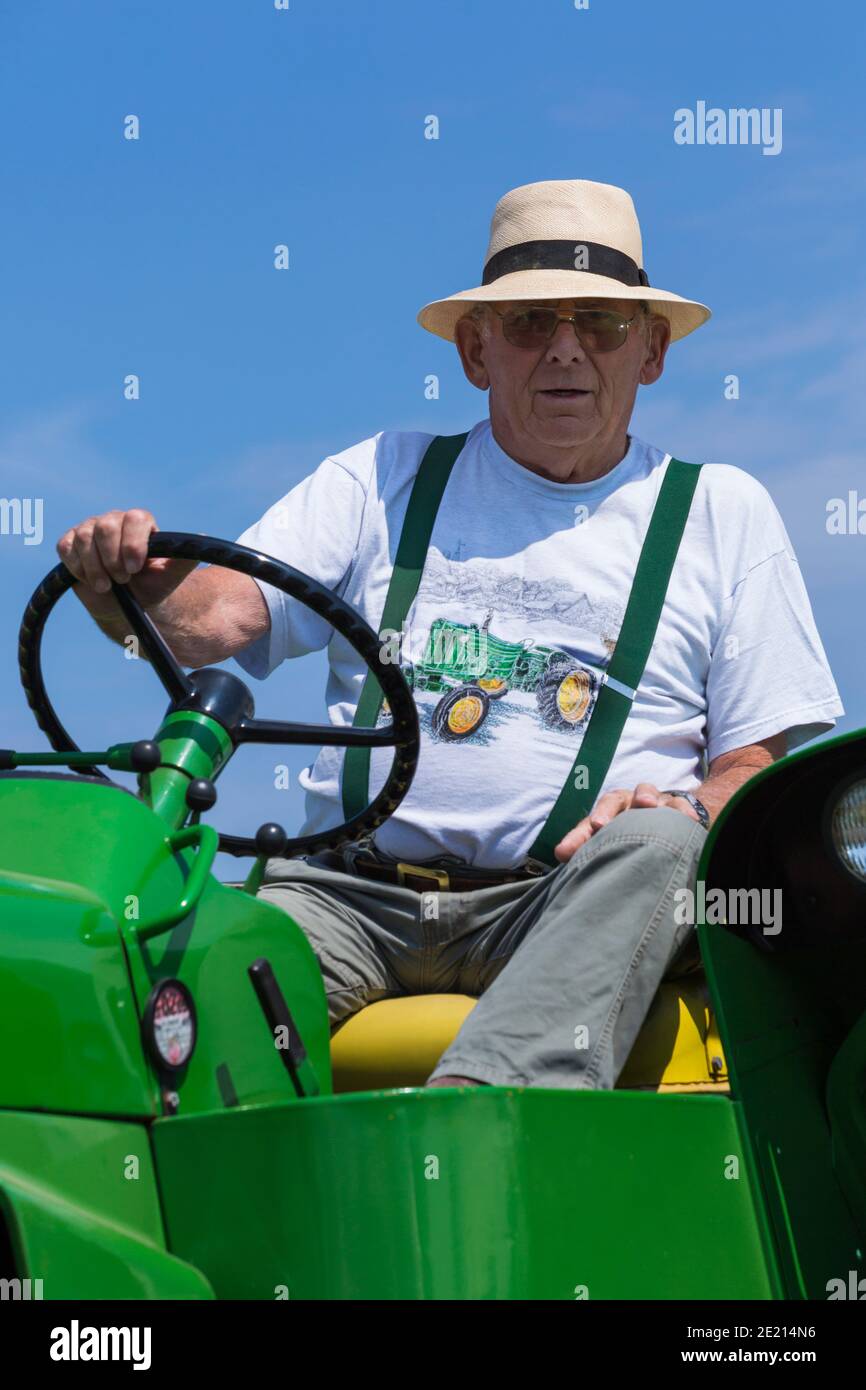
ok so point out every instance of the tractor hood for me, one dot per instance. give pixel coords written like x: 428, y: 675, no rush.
x: 69, y: 1034
x: 86, y: 870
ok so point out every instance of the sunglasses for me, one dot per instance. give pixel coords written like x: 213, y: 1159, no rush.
x: 597, y: 330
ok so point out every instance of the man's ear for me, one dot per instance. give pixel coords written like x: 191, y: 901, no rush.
x: 470, y: 345
x: 656, y: 351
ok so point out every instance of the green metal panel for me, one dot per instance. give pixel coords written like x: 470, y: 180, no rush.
x: 98, y: 837
x: 69, y: 1034
x: 69, y: 1037
x: 488, y: 1194
x: 793, y: 1006
x: 235, y: 1060
x: 80, y: 1202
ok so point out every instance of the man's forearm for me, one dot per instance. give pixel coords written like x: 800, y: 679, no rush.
x: 213, y: 614
x: 732, y: 770
x: 182, y: 620
x: 718, y: 789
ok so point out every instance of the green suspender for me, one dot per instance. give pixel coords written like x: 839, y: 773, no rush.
x: 424, y: 500
x: 626, y: 668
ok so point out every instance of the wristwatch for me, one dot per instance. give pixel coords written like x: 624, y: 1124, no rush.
x: 697, y: 806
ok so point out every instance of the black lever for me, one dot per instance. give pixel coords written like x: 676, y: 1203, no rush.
x: 287, y: 1039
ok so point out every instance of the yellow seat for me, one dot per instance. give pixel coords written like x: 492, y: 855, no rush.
x: 397, y: 1042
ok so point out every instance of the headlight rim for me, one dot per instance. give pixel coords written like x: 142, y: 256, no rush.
x: 833, y: 799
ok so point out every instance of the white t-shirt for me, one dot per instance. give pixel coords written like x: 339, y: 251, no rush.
x: 525, y: 580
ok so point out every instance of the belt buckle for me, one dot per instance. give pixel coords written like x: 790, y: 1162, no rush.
x: 421, y: 871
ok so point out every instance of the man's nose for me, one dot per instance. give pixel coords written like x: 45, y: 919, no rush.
x: 565, y: 345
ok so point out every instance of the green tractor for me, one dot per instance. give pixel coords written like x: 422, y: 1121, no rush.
x: 176, y: 1121
x: 472, y: 667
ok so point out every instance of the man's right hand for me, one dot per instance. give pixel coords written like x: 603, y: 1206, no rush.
x: 114, y: 546
x: 214, y: 616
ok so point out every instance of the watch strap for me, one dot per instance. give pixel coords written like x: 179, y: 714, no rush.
x: 697, y: 806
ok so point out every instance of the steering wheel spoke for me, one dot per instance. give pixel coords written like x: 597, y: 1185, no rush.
x: 176, y: 683
x: 333, y: 735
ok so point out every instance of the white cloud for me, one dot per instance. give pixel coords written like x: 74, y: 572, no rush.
x: 51, y: 453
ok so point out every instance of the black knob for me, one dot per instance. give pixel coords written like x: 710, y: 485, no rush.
x: 200, y: 794
x: 270, y: 839
x: 144, y: 756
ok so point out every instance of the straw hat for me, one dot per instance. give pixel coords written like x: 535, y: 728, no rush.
x: 564, y: 239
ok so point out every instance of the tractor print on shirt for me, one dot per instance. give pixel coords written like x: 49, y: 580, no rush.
x: 471, y: 667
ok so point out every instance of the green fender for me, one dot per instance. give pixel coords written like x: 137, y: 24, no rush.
x: 90, y: 1226
x: 483, y: 1194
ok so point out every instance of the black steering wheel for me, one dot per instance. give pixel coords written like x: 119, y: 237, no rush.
x: 225, y: 697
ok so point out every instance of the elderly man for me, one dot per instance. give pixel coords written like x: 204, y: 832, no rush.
x: 604, y: 644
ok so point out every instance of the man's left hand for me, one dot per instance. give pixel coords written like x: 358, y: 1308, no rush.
x: 644, y: 797
x: 726, y: 774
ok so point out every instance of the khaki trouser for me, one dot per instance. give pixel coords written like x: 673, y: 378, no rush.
x: 565, y: 966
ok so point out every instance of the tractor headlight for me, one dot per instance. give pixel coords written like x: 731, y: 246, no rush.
x: 848, y: 828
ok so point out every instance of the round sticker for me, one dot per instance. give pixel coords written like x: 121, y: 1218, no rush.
x: 170, y: 1025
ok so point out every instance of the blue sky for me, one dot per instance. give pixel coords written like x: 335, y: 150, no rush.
x: 306, y: 127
